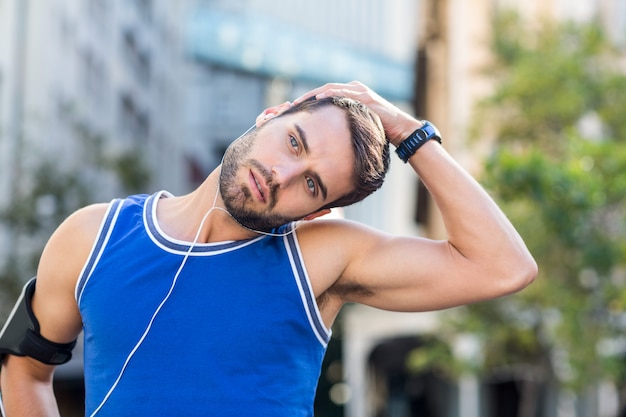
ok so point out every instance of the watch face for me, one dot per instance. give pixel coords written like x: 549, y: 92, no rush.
x: 431, y: 130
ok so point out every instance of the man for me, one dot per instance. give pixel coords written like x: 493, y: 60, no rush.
x: 214, y: 304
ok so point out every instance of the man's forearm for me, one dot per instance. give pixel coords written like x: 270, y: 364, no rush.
x: 25, y: 395
x: 476, y: 226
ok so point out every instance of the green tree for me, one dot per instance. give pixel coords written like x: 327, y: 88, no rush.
x: 558, y: 168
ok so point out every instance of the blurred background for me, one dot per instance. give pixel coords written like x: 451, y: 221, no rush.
x: 104, y: 98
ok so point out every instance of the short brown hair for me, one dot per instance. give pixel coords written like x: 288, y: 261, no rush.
x: 369, y: 143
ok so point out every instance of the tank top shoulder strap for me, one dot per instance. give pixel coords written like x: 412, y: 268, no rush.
x: 106, y: 227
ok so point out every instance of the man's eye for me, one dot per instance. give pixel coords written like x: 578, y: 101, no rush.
x: 311, y: 185
x: 293, y: 142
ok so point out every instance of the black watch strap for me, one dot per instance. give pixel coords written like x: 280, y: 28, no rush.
x: 416, y: 139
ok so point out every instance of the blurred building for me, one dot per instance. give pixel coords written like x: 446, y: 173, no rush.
x: 73, y: 71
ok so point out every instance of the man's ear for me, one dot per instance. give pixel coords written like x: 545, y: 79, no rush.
x: 317, y: 214
x: 271, y: 112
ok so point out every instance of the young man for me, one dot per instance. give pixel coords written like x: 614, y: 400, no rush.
x: 215, y: 304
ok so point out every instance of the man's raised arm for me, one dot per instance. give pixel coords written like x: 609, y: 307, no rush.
x: 484, y: 257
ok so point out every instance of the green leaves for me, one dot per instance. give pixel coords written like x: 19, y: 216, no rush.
x: 558, y: 169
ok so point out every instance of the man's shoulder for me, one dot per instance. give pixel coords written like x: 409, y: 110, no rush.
x: 89, y: 218
x: 333, y: 234
x: 325, y: 225
x: 86, y: 218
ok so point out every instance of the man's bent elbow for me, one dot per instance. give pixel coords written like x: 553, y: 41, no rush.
x: 521, y: 274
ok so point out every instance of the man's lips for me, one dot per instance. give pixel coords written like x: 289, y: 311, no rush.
x: 258, y: 187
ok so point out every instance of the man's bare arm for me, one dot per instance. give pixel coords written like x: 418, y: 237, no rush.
x: 484, y: 256
x: 27, y: 383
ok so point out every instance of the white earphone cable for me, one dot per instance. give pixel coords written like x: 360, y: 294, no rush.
x: 173, y: 284
x: 158, y: 309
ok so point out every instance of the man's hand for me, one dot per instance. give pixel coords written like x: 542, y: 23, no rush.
x: 397, y: 123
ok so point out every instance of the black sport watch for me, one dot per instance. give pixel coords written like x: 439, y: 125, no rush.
x: 421, y: 135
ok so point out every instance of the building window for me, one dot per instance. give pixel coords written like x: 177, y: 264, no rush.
x: 93, y: 79
x: 144, y: 9
x: 137, y: 59
x: 99, y: 13
x: 133, y: 123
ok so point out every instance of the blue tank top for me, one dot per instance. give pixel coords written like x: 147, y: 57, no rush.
x: 238, y: 335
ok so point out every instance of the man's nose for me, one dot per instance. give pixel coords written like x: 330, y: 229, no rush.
x: 285, y: 173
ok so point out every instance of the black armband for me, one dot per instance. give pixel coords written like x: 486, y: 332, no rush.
x: 20, y: 335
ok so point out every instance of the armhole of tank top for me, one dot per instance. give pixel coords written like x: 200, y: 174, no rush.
x: 322, y: 333
x: 106, y: 227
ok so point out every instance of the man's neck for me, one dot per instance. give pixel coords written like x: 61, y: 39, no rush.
x: 180, y: 217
